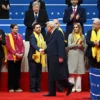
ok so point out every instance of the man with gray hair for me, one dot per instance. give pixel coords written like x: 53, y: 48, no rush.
x: 93, y: 54
x: 93, y: 40
x: 36, y: 15
x: 56, y: 58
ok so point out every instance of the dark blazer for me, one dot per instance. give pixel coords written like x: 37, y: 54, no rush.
x: 56, y: 49
x: 69, y: 22
x: 69, y: 3
x: 92, y: 61
x: 4, y: 14
x: 98, y: 6
x: 89, y: 43
x: 2, y: 42
x: 42, y: 4
x: 33, y: 46
x: 29, y: 19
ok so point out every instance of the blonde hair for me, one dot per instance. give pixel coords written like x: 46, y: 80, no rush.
x: 80, y: 31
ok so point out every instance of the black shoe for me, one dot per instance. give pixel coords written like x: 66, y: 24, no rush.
x: 33, y: 90
x: 70, y: 89
x: 38, y: 90
x: 49, y: 94
x: 60, y: 89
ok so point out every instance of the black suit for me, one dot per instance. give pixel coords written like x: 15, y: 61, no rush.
x: 56, y: 71
x: 29, y: 19
x: 68, y: 2
x: 35, y: 69
x: 98, y: 6
x: 69, y: 22
x: 92, y: 61
x: 2, y: 42
x: 4, y: 14
x: 42, y: 4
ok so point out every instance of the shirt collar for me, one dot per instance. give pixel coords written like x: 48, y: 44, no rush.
x: 74, y: 7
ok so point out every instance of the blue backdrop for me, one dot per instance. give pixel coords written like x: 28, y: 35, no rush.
x: 55, y: 9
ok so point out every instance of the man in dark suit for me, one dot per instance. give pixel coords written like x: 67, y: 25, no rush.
x: 2, y: 42
x: 42, y: 4
x: 35, y: 15
x: 56, y: 57
x: 74, y: 14
x: 89, y: 53
x: 35, y: 68
x: 68, y: 2
x: 98, y: 6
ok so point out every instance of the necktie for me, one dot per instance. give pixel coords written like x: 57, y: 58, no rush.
x: 36, y: 16
x: 74, y: 12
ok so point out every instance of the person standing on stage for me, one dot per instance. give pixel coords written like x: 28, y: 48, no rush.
x: 36, y: 58
x: 35, y: 15
x: 56, y: 58
x: 15, y: 52
x: 4, y: 9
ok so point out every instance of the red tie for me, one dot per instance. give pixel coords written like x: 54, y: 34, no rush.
x: 74, y: 12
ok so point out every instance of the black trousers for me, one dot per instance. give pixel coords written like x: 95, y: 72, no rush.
x: 35, y: 70
x: 52, y: 85
x: 14, y: 72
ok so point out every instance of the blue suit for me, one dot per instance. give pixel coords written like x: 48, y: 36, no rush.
x: 69, y: 22
x: 35, y: 69
x: 98, y: 6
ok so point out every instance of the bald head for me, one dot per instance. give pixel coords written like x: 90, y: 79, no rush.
x: 96, y: 24
x: 57, y: 23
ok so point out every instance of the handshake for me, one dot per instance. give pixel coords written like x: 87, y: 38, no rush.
x: 42, y: 51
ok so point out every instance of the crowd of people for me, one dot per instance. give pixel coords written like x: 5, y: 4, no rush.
x: 65, y: 50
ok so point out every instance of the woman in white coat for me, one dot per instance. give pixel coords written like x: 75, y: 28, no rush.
x: 76, y: 45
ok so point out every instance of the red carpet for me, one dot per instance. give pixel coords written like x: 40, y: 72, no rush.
x: 44, y: 82
x: 39, y: 96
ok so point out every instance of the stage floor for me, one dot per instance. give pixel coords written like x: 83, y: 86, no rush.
x: 39, y: 96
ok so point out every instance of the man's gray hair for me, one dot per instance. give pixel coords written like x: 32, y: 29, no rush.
x: 97, y: 20
x: 35, y: 3
x: 51, y: 24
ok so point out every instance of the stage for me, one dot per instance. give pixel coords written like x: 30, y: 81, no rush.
x: 39, y: 96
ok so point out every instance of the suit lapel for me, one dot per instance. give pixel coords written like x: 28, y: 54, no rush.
x: 77, y: 12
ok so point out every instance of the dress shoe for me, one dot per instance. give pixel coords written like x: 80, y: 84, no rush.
x: 33, y: 90
x: 38, y: 90
x: 49, y: 94
x: 70, y: 89
x: 60, y: 89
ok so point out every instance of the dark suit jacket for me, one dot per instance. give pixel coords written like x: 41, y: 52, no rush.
x: 69, y: 3
x: 92, y: 61
x: 69, y: 22
x: 42, y: 4
x: 4, y: 14
x: 2, y: 42
x: 56, y: 49
x: 33, y: 46
x: 29, y: 19
x: 98, y: 6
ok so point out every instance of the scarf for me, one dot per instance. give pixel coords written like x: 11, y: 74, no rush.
x: 95, y: 50
x: 38, y: 57
x: 76, y: 37
x: 62, y: 33
x: 12, y: 44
